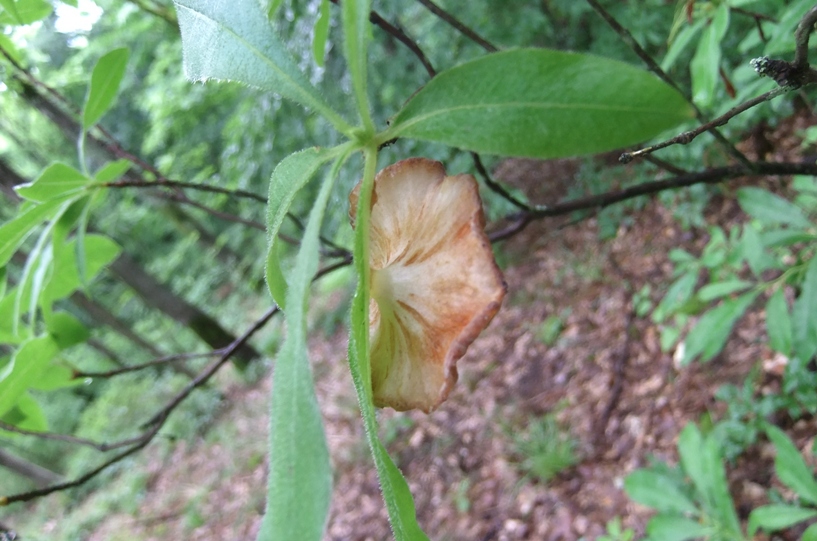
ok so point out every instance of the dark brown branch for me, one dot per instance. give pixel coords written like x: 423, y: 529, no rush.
x: 180, y: 197
x: 653, y: 66
x: 165, y: 183
x: 78, y: 374
x: 708, y: 176
x: 801, y: 38
x: 462, y: 28
x: 495, y: 186
x: 688, y: 136
x: 666, y: 166
x: 101, y: 447
x: 376, y: 19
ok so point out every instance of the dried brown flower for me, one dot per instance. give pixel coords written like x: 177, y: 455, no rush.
x: 434, y: 282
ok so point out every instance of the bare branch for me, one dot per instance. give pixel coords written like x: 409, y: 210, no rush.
x: 165, y: 183
x: 101, y: 447
x: 78, y: 374
x: 801, y: 38
x: 495, y: 186
x: 462, y: 28
x: 688, y: 136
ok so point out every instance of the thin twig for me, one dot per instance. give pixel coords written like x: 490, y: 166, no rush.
x: 801, y: 38
x: 495, y: 186
x: 456, y: 23
x: 665, y: 165
x: 688, y: 136
x: 101, y: 447
x: 165, y: 183
x: 78, y: 374
x: 645, y: 57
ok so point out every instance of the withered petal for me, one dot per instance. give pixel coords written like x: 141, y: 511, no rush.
x: 435, y: 284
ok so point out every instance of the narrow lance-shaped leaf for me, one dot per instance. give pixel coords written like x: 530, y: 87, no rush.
x: 27, y: 12
x: 321, y: 33
x: 541, y: 103
x: 14, y: 232
x: 105, y: 81
x: 57, y: 180
x: 709, y: 335
x: 287, y: 179
x: 356, y: 32
x: 705, y: 64
x: 804, y: 315
x: 777, y: 517
x: 658, y: 491
x: 676, y: 528
x: 778, y: 323
x: 396, y: 493
x: 27, y: 364
x: 790, y: 466
x: 771, y: 209
x: 233, y: 41
x: 300, y: 476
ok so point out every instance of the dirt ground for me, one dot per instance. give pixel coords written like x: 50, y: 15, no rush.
x: 618, y: 394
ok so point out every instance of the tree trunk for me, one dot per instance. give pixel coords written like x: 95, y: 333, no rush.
x: 40, y: 476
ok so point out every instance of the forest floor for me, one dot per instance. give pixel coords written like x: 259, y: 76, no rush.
x: 596, y: 368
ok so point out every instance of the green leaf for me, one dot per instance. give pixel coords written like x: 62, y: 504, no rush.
x: 356, y: 34
x: 675, y: 528
x: 111, y: 171
x: 287, y: 179
x: 804, y: 315
x: 718, y: 486
x: 777, y: 517
x: 56, y: 376
x: 691, y: 451
x: 709, y: 335
x: 784, y: 237
x: 8, y: 47
x: 14, y: 232
x: 11, y: 8
x: 790, y: 466
x: 716, y: 290
x: 778, y: 323
x: 271, y: 7
x: 771, y: 209
x: 321, y: 33
x: 300, y: 475
x: 27, y: 414
x: 682, y: 39
x: 657, y: 491
x: 810, y: 534
x: 105, y: 81
x: 705, y: 64
x: 27, y: 365
x: 27, y: 12
x: 677, y: 295
x: 396, y: 493
x: 66, y: 330
x: 541, y: 103
x: 65, y: 279
x: 781, y: 39
x: 233, y: 41
x: 56, y: 181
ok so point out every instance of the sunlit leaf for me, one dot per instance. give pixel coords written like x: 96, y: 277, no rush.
x: 66, y: 330
x: 27, y: 414
x: 64, y: 280
x: 28, y: 362
x: 105, y: 81
x: 676, y: 528
x: 541, y: 103
x: 15, y: 231
x: 111, y: 171
x: 25, y: 12
x: 56, y: 181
